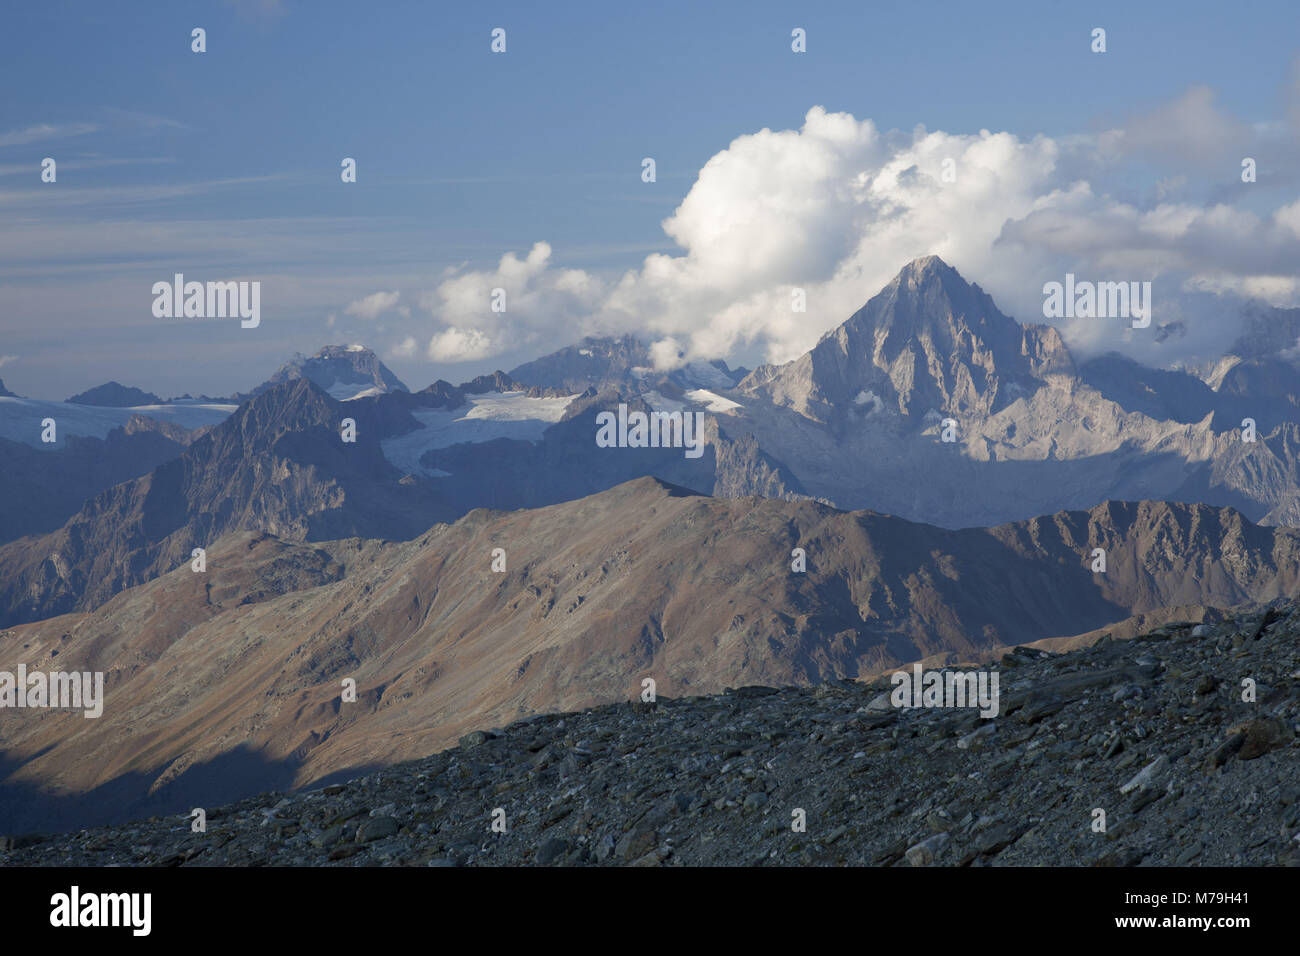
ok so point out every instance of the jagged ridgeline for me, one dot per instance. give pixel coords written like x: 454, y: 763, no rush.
x: 858, y: 422
x: 470, y: 553
x: 227, y: 678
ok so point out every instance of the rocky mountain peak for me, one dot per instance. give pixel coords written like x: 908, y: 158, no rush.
x: 291, y: 405
x: 928, y: 342
x: 929, y: 304
x: 595, y: 362
x: 345, y: 372
x: 927, y: 269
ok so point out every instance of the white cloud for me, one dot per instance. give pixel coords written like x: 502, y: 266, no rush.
x: 837, y: 207
x: 7, y: 359
x: 666, y: 354
x: 538, y: 300
x: 373, y: 305
x: 460, y: 345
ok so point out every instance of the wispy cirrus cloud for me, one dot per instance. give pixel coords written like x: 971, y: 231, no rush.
x: 67, y: 197
x: 46, y: 131
x: 30, y: 169
x: 144, y: 120
x: 109, y: 119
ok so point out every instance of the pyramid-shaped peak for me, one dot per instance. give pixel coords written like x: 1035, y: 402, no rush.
x: 927, y: 293
x: 293, y: 398
x: 919, y: 271
x: 927, y: 264
x: 928, y: 341
x: 931, y: 297
x: 289, y: 406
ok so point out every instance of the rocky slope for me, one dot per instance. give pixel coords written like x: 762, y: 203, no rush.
x: 1153, y: 732
x: 231, y: 678
x: 41, y: 488
x: 278, y: 464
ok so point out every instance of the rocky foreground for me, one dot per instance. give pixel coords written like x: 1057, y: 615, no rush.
x: 1153, y: 731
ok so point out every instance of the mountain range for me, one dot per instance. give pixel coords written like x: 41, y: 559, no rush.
x: 349, y: 524
x: 236, y: 672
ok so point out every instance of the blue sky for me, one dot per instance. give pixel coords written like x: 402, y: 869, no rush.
x: 226, y: 164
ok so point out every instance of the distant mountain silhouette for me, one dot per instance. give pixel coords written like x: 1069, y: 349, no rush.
x: 342, y: 371
x: 115, y: 395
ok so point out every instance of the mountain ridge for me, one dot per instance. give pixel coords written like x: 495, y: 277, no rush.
x: 1035, y: 434
x: 645, y: 579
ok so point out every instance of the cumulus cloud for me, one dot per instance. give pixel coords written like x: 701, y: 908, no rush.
x: 521, y: 302
x: 836, y: 207
x: 460, y: 345
x: 373, y: 305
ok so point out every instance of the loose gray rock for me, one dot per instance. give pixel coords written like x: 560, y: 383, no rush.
x: 1206, y: 778
x: 1147, y: 776
x: 377, y: 828
x: 923, y: 853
